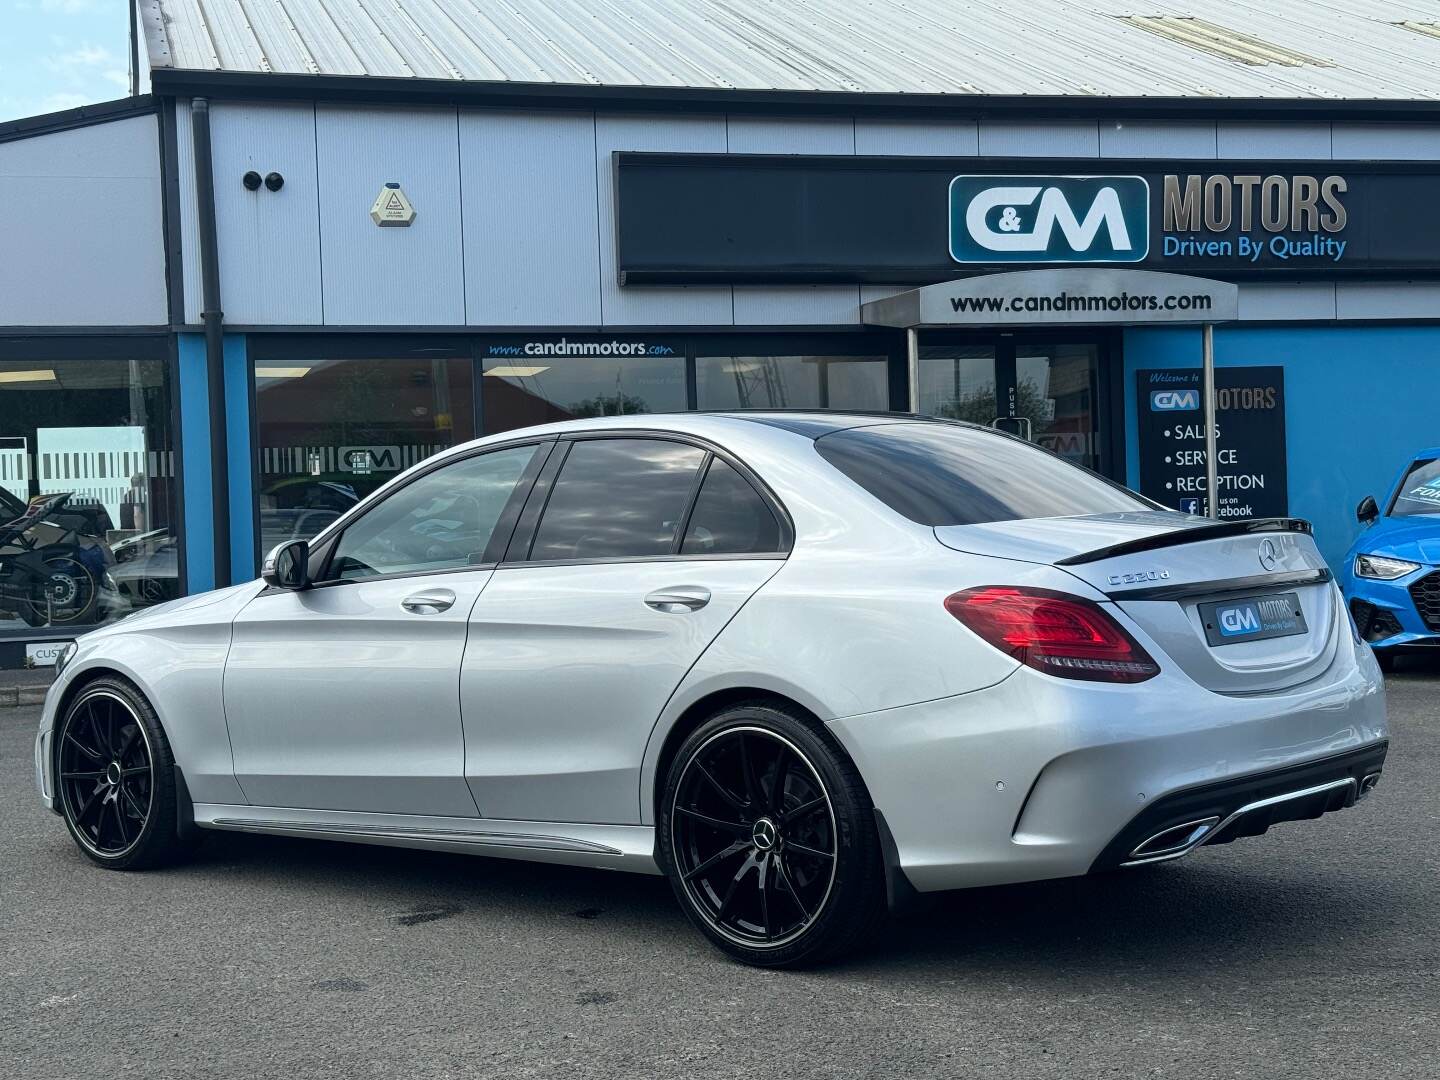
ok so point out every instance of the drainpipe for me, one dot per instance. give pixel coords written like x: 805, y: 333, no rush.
x: 134, y: 49
x: 1212, y: 462
x: 214, y: 320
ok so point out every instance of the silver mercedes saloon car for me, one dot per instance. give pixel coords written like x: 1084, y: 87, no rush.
x: 802, y: 664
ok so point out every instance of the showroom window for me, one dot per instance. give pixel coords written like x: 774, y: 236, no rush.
x: 87, y: 484
x: 631, y: 377
x: 331, y: 431
x: 792, y: 382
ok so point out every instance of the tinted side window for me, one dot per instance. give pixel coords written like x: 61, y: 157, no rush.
x: 442, y: 520
x: 618, y: 498
x: 941, y: 474
x: 730, y: 517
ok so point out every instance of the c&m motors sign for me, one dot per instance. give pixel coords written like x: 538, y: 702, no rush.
x: 1049, y: 219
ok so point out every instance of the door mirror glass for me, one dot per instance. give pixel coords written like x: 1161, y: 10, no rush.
x: 288, y: 566
x: 1367, y: 511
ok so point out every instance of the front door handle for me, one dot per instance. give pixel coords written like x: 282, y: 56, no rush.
x: 429, y: 602
x: 679, y: 599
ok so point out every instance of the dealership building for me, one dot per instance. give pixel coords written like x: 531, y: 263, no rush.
x: 337, y: 236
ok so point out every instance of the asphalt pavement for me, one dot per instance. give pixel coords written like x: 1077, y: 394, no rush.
x: 1310, y: 952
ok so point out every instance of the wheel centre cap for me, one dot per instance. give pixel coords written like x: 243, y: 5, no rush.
x: 113, y: 773
x: 764, y: 835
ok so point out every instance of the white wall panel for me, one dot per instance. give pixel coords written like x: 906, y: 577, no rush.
x: 82, y: 242
x: 1078, y: 138
x: 531, y: 219
x: 1387, y: 300
x: 918, y: 137
x: 1145, y: 138
x: 790, y: 135
x: 660, y: 306
x: 269, y: 241
x: 769, y: 305
x: 390, y: 276
x: 1263, y: 301
x: 1385, y: 142
x: 1273, y: 141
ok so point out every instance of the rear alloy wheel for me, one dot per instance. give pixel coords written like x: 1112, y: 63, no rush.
x: 115, y: 778
x: 770, y: 839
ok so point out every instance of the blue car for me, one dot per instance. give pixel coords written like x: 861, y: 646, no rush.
x: 1391, y: 575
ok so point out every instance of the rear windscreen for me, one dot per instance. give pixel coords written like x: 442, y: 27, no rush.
x: 942, y: 474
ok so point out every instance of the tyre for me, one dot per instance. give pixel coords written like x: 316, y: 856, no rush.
x: 115, y: 778
x: 769, y: 839
x: 66, y: 596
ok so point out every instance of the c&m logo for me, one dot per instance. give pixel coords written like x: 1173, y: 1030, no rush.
x: 1174, y: 400
x: 1239, y: 620
x: 1049, y: 219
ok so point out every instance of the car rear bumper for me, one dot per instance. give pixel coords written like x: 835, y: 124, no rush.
x: 1037, y: 777
x: 1175, y: 825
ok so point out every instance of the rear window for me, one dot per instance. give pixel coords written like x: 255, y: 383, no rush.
x: 942, y: 474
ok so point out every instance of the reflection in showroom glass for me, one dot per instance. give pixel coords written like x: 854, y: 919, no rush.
x: 86, y: 492
x: 332, y: 431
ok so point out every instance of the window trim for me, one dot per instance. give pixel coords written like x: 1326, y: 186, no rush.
x: 322, y: 547
x: 526, y: 530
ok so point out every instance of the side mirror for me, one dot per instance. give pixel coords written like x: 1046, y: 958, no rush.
x: 1367, y: 511
x: 287, y: 566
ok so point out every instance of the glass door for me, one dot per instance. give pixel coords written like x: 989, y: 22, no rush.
x: 1042, y: 389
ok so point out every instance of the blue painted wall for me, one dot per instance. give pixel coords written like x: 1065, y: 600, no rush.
x: 1358, y: 402
x: 195, y: 447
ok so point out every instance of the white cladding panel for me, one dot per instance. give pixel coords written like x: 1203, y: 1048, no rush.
x: 83, y: 241
x: 532, y: 252
x: 269, y: 240
x: 390, y: 276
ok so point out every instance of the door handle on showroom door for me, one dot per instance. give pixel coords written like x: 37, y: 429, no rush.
x: 679, y: 599
x: 429, y: 602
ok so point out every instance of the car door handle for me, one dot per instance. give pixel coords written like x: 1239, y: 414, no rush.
x: 679, y: 599
x: 429, y: 602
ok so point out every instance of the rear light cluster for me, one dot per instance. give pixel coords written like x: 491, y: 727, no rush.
x: 1053, y: 632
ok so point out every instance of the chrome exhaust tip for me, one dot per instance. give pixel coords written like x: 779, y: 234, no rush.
x: 1173, y: 842
x: 1367, y: 785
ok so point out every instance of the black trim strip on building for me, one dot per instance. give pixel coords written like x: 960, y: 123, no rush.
x: 85, y: 116
x: 397, y: 90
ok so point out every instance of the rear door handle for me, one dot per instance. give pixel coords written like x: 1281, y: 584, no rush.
x: 679, y: 599
x: 429, y: 602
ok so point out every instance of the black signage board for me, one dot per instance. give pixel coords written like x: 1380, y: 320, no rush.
x: 696, y: 218
x: 1250, y: 437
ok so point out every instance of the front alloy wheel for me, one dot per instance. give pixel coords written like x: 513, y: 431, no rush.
x: 115, y: 778
x: 770, y: 839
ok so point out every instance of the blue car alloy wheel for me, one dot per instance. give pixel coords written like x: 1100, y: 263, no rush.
x: 1391, y: 576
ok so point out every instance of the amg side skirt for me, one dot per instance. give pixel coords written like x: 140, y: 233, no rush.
x: 611, y: 847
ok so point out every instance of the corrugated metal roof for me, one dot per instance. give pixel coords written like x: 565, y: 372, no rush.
x: 991, y: 47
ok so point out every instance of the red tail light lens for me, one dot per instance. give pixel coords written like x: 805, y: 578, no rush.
x: 1053, y: 632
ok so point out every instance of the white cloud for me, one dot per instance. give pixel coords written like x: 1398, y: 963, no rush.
x: 86, y: 56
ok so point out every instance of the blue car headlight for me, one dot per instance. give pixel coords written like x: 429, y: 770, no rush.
x: 1383, y: 568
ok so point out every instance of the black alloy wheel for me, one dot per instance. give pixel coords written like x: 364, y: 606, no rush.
x: 115, y: 778
x: 770, y: 839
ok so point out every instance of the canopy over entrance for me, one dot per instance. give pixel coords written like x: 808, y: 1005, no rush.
x: 1090, y: 296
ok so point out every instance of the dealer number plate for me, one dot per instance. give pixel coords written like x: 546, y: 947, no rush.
x: 1253, y: 618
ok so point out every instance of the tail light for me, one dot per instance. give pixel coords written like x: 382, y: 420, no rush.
x: 1053, y: 632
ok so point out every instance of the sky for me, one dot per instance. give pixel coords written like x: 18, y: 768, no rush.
x: 57, y: 54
